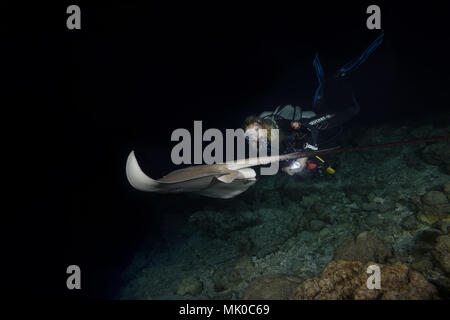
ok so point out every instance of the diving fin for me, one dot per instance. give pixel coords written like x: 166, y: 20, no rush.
x: 352, y: 65
x: 318, y: 95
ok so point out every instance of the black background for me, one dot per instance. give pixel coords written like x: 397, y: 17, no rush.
x: 76, y: 102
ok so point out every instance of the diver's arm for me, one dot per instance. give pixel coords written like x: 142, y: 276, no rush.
x: 314, y: 135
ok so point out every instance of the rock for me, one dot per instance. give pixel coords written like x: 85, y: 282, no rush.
x: 443, y: 285
x: 365, y: 247
x: 272, y: 287
x: 355, y: 198
x: 437, y: 154
x: 264, y: 251
x: 325, y: 232
x: 320, y: 208
x: 309, y: 200
x: 230, y: 274
x: 246, y: 245
x: 401, y: 283
x: 378, y: 200
x: 290, y: 191
x: 434, y: 207
x: 442, y: 225
x: 447, y: 189
x: 372, y: 220
x: 435, y: 199
x: 190, y: 285
x: 409, y: 223
x: 352, y: 205
x: 371, y: 196
x: 370, y: 206
x: 387, y: 205
x: 422, y: 265
x: 422, y: 131
x: 317, y: 225
x: 219, y: 224
x: 441, y: 252
x: 306, y: 236
x: 228, y: 295
x: 348, y: 280
x: 429, y: 235
x: 421, y: 248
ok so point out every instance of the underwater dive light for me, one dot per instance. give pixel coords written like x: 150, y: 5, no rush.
x: 295, y: 165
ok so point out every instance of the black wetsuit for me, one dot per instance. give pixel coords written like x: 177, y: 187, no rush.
x: 334, y: 104
x: 337, y: 106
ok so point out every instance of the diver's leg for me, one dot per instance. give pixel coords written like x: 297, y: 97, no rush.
x: 340, y: 117
x: 352, y: 65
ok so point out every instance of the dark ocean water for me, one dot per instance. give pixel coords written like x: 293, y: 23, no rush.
x: 77, y: 103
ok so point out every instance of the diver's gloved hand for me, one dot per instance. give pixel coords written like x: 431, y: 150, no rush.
x: 310, y: 147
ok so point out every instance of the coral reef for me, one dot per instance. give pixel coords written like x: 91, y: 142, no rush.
x: 441, y: 252
x: 447, y: 189
x: 272, y: 287
x: 232, y: 274
x: 364, y: 247
x: 433, y: 207
x: 438, y: 154
x: 190, y: 285
x: 388, y: 206
x: 348, y: 280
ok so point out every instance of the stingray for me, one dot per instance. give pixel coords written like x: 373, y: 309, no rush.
x: 229, y: 179
x: 225, y: 180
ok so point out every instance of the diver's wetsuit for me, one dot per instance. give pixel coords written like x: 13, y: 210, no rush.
x: 321, y: 130
x: 334, y: 104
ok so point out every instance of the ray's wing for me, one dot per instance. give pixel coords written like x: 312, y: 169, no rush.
x: 190, y: 173
x: 137, y: 178
x: 221, y: 190
x: 190, y: 179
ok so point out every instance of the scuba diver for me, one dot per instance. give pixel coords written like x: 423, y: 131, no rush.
x: 308, y: 130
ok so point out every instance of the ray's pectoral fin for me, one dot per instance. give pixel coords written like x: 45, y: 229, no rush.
x: 228, y: 178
